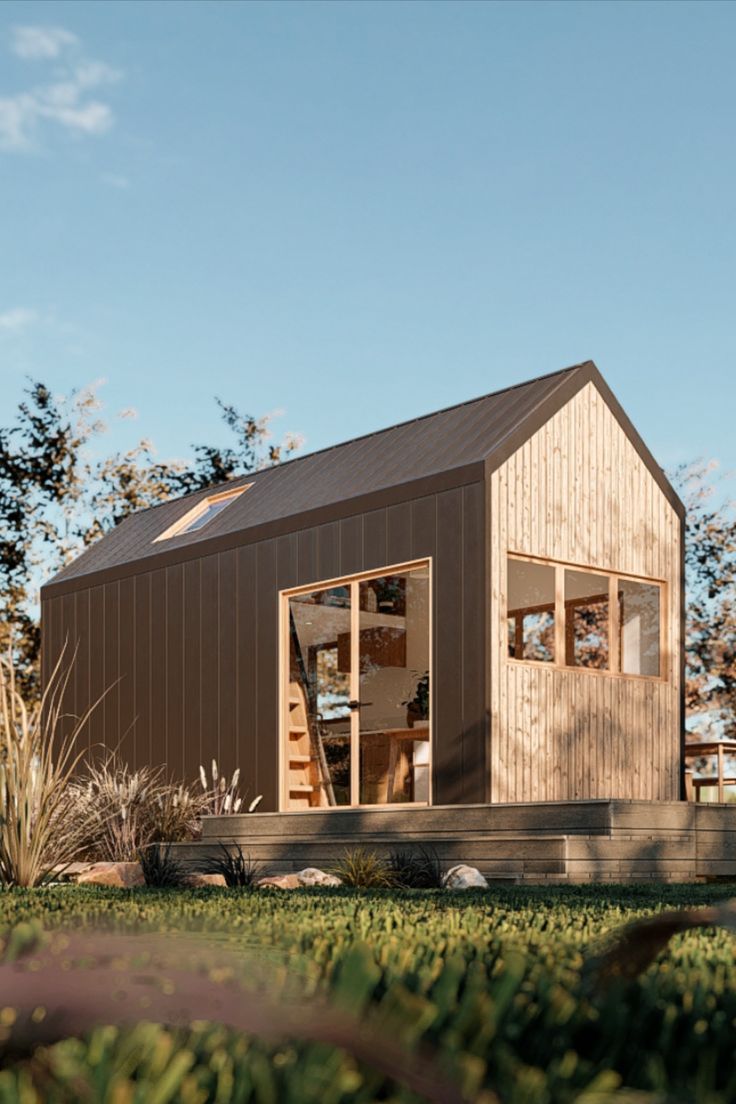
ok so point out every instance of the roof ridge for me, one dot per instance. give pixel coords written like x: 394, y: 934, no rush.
x: 365, y: 436
x: 429, y: 414
x: 418, y: 417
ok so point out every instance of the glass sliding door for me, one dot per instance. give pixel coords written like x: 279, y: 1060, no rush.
x: 318, y: 717
x: 356, y: 692
x: 393, y: 656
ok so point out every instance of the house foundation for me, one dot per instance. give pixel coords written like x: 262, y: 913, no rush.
x: 535, y: 843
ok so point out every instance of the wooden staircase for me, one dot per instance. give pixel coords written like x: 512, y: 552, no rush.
x: 305, y: 791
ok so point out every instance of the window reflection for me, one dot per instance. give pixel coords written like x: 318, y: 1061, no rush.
x: 639, y: 617
x: 547, y: 601
x: 531, y: 611
x: 586, y: 620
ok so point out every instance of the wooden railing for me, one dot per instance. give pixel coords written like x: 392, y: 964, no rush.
x: 717, y: 749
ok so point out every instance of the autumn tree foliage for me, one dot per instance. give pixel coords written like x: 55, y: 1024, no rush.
x: 710, y: 571
x: 60, y: 491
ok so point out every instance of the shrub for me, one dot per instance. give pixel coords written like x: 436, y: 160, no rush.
x: 124, y: 811
x: 177, y: 813
x: 364, y: 869
x: 39, y: 828
x: 238, y: 869
x: 223, y: 797
x: 160, y: 870
x: 416, y: 867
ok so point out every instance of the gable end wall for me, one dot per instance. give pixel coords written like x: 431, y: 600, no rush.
x: 578, y: 491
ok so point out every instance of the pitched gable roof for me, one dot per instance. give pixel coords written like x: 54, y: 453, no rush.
x: 477, y: 432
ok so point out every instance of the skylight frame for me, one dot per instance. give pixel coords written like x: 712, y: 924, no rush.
x: 186, y: 524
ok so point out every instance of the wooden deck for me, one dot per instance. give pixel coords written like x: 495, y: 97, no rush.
x: 567, y: 841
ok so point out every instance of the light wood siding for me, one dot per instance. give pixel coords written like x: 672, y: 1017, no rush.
x: 577, y: 491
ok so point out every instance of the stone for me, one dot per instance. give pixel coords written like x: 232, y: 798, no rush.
x: 310, y: 876
x: 464, y: 877
x: 313, y: 876
x: 200, y: 881
x: 118, y: 875
x: 279, y: 881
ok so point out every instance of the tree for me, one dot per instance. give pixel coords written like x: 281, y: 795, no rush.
x: 710, y: 568
x: 56, y: 496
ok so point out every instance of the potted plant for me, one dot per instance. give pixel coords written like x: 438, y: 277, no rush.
x: 417, y: 707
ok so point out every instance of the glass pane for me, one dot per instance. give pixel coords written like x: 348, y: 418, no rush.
x: 638, y: 605
x: 394, y: 688
x: 211, y: 511
x: 586, y: 620
x: 318, y: 730
x: 531, y: 611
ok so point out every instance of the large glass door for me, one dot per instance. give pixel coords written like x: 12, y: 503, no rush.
x: 356, y: 691
x: 393, y: 667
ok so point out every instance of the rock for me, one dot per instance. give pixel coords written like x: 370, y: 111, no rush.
x: 310, y: 876
x: 119, y: 875
x: 279, y: 881
x: 199, y: 881
x: 464, y: 877
x: 313, y: 876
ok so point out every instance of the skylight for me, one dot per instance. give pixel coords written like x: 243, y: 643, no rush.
x: 203, y: 513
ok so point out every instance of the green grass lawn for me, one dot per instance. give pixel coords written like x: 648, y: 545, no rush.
x: 487, y: 984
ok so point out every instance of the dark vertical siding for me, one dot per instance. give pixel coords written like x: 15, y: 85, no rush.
x: 227, y: 597
x: 351, y: 545
x: 209, y: 671
x: 375, y: 548
x: 195, y: 645
x: 448, y: 665
x: 126, y: 670
x: 143, y: 671
x: 192, y: 707
x: 96, y: 727
x: 174, y: 670
x: 476, y: 787
x: 159, y: 751
x: 111, y: 665
x: 67, y: 614
x: 328, y: 550
x: 81, y: 662
x: 398, y: 534
x: 307, y: 555
x: 246, y: 676
x: 267, y: 686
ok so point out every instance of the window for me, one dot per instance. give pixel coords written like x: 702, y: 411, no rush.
x: 587, y: 638
x: 531, y: 613
x: 203, y: 513
x: 639, y: 616
x: 571, y: 617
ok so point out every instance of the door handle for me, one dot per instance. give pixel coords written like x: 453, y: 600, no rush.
x: 357, y: 704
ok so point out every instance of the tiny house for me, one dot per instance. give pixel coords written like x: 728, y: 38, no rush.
x: 405, y: 634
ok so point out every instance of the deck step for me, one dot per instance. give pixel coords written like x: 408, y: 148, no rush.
x: 585, y: 841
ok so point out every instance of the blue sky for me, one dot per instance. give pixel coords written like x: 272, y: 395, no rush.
x: 356, y: 213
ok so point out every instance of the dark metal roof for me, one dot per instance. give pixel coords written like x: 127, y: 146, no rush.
x: 472, y: 432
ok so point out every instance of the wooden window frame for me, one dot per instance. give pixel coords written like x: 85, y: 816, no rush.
x: 558, y: 662
x: 353, y: 581
x: 182, y: 525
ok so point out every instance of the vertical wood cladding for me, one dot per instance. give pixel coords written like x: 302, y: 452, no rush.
x: 191, y: 649
x: 578, y: 491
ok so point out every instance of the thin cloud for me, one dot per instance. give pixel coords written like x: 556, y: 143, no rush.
x: 17, y: 319
x: 115, y: 181
x: 67, y: 102
x: 33, y: 43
